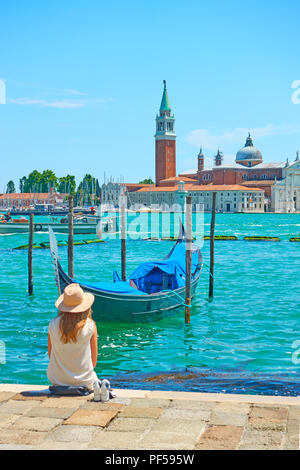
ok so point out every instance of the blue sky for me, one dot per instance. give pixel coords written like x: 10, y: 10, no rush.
x: 84, y: 82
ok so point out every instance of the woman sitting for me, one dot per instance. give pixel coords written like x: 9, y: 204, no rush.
x: 72, y: 340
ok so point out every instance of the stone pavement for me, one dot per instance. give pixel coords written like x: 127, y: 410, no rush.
x: 138, y: 419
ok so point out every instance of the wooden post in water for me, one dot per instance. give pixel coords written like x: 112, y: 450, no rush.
x: 212, y: 245
x: 30, y: 276
x: 188, y: 257
x: 71, y: 239
x: 122, y: 208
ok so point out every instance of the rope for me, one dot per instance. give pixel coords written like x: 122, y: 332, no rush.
x: 182, y: 301
x: 208, y: 268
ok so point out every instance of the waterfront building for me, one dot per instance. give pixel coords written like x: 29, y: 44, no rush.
x: 247, y: 170
x: 230, y: 198
x: 286, y: 192
x: 243, y: 186
x: 111, y: 192
x: 27, y: 200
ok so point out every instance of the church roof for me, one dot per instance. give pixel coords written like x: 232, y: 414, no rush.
x: 249, y: 152
x: 165, y: 104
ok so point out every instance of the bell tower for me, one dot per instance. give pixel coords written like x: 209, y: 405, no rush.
x: 165, y: 141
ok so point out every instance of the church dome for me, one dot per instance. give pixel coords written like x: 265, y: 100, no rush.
x: 249, y: 155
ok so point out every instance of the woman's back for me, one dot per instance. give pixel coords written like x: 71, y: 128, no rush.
x: 71, y: 362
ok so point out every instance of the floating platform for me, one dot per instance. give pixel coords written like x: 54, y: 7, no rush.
x: 45, y: 245
x: 253, y: 238
x: 222, y: 237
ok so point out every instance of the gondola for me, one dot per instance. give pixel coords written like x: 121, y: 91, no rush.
x: 153, y: 291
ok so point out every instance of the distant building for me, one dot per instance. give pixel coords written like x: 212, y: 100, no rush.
x: 111, y: 192
x: 243, y: 186
x: 26, y: 200
x: 248, y: 170
x: 230, y: 198
x: 286, y: 192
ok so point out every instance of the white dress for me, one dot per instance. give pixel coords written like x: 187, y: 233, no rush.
x: 71, y: 363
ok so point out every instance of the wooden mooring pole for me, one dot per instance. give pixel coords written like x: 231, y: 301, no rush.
x: 71, y: 239
x: 30, y: 275
x: 188, y: 257
x: 212, y: 245
x: 123, y: 235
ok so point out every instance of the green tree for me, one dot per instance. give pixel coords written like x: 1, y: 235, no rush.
x: 147, y: 181
x: 66, y: 184
x: 48, y: 181
x: 86, y: 193
x: 10, y: 188
x: 22, y: 182
x: 33, y: 182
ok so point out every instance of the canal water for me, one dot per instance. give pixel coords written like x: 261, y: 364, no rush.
x: 245, y: 340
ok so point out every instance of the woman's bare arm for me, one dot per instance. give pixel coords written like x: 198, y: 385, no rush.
x: 94, y: 346
x: 49, y: 346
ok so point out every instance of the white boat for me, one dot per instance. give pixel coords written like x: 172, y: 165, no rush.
x: 81, y: 226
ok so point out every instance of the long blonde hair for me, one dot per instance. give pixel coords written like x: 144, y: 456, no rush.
x: 71, y: 324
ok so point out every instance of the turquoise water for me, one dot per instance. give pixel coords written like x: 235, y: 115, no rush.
x: 242, y: 341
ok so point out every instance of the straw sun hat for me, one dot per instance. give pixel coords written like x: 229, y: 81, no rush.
x: 74, y: 300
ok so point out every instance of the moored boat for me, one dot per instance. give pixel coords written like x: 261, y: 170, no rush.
x: 152, y: 291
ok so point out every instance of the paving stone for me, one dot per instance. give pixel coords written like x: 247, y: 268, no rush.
x: 190, y: 427
x: 5, y: 396
x: 131, y: 424
x: 227, y: 419
x: 6, y: 419
x: 220, y: 437
x: 91, y: 417
x: 121, y: 400
x: 30, y: 397
x: 233, y: 407
x: 195, y: 415
x: 269, y: 412
x: 136, y: 412
x: 192, y: 405
x: 294, y: 412
x: 64, y: 402
x: 167, y: 440
x: 36, y: 423
x: 261, y: 440
x: 17, y: 407
x: 265, y: 424
x: 114, y: 440
x: 150, y: 403
x: 98, y: 405
x: 292, y: 435
x: 60, y: 413
x: 70, y: 433
x: 17, y: 436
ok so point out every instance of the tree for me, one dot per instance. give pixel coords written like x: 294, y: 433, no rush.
x: 32, y: 184
x: 10, y: 188
x: 87, y: 191
x: 67, y: 184
x: 147, y: 181
x: 48, y: 181
x: 22, y: 182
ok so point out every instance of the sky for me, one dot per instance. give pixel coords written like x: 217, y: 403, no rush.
x: 84, y: 80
